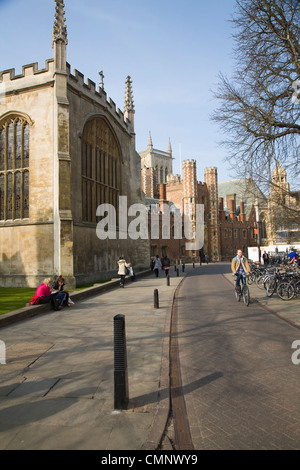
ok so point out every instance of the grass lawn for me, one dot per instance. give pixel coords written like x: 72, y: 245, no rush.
x: 12, y: 298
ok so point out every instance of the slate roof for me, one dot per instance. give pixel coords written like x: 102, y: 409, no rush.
x: 245, y: 189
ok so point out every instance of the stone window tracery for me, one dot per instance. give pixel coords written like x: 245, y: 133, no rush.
x: 100, y: 168
x: 14, y: 168
x: 161, y: 175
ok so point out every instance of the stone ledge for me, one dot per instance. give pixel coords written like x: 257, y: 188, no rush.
x: 32, y: 310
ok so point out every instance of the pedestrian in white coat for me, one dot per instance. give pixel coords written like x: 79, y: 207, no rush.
x: 122, y: 270
x: 157, y: 265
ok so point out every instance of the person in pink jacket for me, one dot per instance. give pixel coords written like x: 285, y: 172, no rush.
x: 43, y: 289
x: 44, y: 292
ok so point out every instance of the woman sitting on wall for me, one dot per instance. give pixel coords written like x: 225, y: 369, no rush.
x: 58, y: 286
x: 43, y: 295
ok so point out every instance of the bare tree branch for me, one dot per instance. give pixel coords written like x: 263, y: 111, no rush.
x: 259, y: 108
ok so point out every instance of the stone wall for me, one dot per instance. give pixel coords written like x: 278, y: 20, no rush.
x: 54, y: 240
x: 95, y: 259
x: 26, y: 245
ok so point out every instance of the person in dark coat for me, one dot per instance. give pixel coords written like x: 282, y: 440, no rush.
x: 166, y: 264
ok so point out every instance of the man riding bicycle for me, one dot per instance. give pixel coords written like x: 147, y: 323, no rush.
x: 240, y: 268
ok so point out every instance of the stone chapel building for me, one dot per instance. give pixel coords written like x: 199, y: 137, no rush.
x: 64, y: 150
x: 283, y: 221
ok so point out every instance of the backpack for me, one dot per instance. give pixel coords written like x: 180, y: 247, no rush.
x: 34, y: 300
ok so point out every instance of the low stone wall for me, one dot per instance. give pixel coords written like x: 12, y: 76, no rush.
x: 33, y: 310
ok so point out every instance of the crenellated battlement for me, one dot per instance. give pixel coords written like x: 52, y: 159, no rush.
x: 88, y: 87
x: 173, y: 179
x: 210, y: 169
x: 188, y: 162
x: 27, y: 71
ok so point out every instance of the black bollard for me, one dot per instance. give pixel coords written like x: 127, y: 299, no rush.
x: 156, y: 300
x: 175, y: 268
x: 193, y: 264
x: 183, y: 268
x: 120, y: 364
x: 168, y: 280
x: 177, y: 272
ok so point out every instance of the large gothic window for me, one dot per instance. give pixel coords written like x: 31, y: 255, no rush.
x: 14, y: 169
x: 100, y: 168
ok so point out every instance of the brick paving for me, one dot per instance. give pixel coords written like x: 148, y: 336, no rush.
x: 241, y: 387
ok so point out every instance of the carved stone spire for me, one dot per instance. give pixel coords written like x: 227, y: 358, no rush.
x: 59, y: 28
x: 59, y: 39
x: 170, y: 148
x: 150, y: 143
x: 129, y: 103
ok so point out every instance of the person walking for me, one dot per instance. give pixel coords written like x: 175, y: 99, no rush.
x: 157, y: 266
x: 166, y: 265
x: 265, y: 257
x: 131, y: 272
x: 122, y: 270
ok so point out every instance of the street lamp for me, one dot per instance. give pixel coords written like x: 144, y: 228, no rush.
x: 257, y: 226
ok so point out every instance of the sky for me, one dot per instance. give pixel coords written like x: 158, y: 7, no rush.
x: 172, y: 50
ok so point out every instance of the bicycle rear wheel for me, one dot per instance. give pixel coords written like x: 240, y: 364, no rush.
x: 246, y: 295
x: 285, y: 290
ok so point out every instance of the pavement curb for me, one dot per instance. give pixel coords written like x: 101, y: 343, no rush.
x: 161, y: 417
x: 270, y: 309
x: 33, y: 310
x: 282, y: 317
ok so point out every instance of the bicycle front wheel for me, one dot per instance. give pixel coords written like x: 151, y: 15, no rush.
x: 260, y: 282
x: 271, y: 288
x: 246, y: 295
x: 297, y: 288
x: 285, y: 290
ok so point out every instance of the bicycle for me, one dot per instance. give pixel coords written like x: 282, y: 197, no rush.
x: 243, y: 292
x: 289, y: 289
x: 272, y: 282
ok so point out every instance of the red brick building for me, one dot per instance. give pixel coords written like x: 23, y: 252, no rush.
x: 227, y: 226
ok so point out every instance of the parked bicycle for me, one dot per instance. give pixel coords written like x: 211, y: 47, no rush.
x: 273, y: 280
x: 289, y: 288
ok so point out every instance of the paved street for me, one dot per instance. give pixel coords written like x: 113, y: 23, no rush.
x: 241, y: 387
x: 57, y: 388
